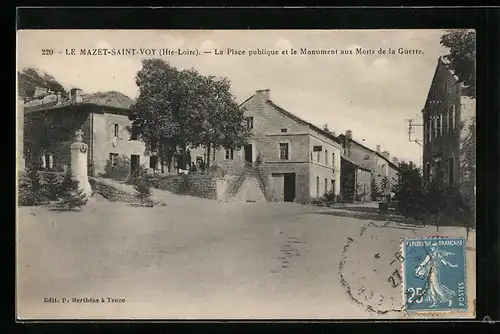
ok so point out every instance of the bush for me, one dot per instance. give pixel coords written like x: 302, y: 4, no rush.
x: 52, y: 186
x: 328, y: 198
x: 143, y: 191
x: 31, y: 190
x: 72, y: 195
x: 120, y: 171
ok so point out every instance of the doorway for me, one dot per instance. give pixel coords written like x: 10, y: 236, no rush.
x: 135, y: 163
x: 248, y: 153
x: 289, y: 187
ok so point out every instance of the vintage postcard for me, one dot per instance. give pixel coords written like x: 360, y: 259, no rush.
x: 244, y: 174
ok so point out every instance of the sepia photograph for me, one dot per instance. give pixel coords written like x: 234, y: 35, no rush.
x: 246, y: 174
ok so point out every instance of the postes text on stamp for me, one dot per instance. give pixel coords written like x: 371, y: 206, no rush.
x: 434, y: 275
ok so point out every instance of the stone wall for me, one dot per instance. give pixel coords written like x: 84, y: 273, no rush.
x: 204, y: 186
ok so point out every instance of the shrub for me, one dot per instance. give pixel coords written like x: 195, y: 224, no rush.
x: 143, y: 191
x: 185, y: 185
x: 120, y: 171
x: 72, y: 195
x: 31, y: 190
x: 52, y: 186
x: 375, y: 192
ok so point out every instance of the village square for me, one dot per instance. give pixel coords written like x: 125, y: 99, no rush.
x: 184, y: 202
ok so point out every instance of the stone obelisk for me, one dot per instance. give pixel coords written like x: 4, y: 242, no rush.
x: 79, y: 151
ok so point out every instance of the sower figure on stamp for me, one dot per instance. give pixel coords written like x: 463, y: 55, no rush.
x: 430, y: 268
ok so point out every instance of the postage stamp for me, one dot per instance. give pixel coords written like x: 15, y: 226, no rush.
x: 434, y: 277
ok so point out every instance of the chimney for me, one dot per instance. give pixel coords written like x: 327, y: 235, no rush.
x: 378, y: 148
x: 325, y: 128
x: 386, y: 155
x: 395, y: 161
x: 348, y: 134
x: 333, y: 134
x: 76, y: 95
x: 264, y: 94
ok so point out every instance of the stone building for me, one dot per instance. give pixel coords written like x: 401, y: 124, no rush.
x: 382, y: 169
x: 301, y: 160
x: 355, y: 185
x: 51, y: 122
x: 448, y: 116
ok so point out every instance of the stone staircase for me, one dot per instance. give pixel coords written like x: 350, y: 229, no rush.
x: 247, y: 187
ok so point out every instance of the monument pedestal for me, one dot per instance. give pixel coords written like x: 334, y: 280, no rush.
x: 79, y: 151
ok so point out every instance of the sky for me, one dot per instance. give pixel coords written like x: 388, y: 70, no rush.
x: 370, y: 94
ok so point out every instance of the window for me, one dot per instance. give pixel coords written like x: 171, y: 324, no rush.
x: 116, y: 130
x: 431, y: 129
x: 154, y: 146
x: 283, y: 151
x: 439, y: 121
x: 333, y: 159
x: 284, y: 130
x: 229, y: 154
x: 249, y: 121
x: 427, y: 170
x: 425, y: 132
x: 317, y: 186
x: 451, y: 176
x: 317, y: 149
x: 153, y: 161
x: 326, y: 157
x: 453, y: 117
x: 133, y: 135
x: 113, y: 159
x: 332, y: 185
x: 435, y: 126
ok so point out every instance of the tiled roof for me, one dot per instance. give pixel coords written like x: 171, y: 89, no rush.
x: 300, y: 120
x: 111, y: 99
x: 355, y: 164
x: 391, y: 164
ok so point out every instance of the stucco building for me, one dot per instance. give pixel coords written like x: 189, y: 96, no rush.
x: 301, y: 159
x: 382, y: 169
x: 50, y: 123
x: 448, y: 116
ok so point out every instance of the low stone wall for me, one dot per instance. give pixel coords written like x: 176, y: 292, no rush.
x: 111, y: 193
x: 204, y: 186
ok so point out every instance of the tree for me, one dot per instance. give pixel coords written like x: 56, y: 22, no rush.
x: 462, y: 57
x: 51, y: 186
x: 375, y: 192
x: 176, y: 109
x: 30, y: 78
x: 384, y: 185
x: 408, y: 188
x: 143, y: 191
x: 30, y: 187
x: 72, y: 195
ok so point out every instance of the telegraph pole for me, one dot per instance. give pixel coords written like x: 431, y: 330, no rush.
x: 411, y: 125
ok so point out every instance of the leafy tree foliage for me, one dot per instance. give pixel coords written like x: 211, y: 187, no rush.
x: 72, y: 195
x: 180, y: 108
x: 375, y: 192
x: 30, y: 78
x: 462, y: 57
x: 30, y: 187
x: 52, y: 186
x: 408, y: 189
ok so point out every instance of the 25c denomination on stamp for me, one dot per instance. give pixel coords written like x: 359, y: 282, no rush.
x: 434, y: 277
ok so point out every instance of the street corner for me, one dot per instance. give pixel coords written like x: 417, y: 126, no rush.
x: 371, y: 267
